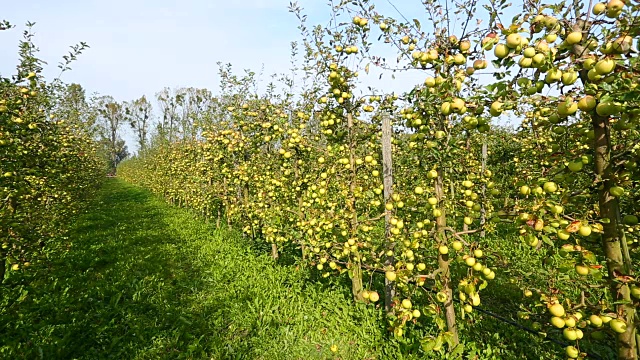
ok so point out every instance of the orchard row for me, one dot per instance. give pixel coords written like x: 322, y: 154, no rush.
x: 405, y: 193
x: 48, y: 164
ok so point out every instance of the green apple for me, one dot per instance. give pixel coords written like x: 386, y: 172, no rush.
x: 457, y: 245
x: 550, y: 187
x: 605, y: 66
x: 616, y: 191
x: 501, y: 51
x: 574, y: 37
x: 572, y: 352
x: 557, y: 322
x: 595, y: 320
x: 557, y: 310
x: 406, y: 303
x: 582, y: 270
x: 390, y: 275
x: 570, y: 334
x: 585, y: 230
x: 575, y: 166
x: 618, y: 326
x: 630, y: 220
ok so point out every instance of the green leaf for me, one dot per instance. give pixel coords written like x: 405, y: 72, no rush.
x: 457, y: 351
x: 428, y: 345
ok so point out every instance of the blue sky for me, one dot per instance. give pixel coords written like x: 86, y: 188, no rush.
x: 139, y: 47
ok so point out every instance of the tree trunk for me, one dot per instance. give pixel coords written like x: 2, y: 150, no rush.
x: 114, y: 151
x: 483, y: 210
x: 3, y: 264
x: 303, y: 249
x: 354, y: 264
x: 387, y: 172
x: 609, y: 210
x: 443, y: 262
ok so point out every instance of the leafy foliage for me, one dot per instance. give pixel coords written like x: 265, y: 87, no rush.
x: 48, y: 162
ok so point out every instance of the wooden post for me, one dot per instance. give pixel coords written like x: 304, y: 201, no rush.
x: 387, y: 172
x: 443, y: 261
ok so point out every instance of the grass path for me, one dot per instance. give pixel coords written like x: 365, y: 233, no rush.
x: 140, y: 279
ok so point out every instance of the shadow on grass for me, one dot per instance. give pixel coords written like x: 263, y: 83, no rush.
x: 113, y: 292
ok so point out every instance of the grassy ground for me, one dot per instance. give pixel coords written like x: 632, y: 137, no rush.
x: 139, y: 279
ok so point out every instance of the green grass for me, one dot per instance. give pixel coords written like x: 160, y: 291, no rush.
x: 139, y: 279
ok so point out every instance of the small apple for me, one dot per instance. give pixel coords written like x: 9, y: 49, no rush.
x: 585, y: 230
x: 614, y: 8
x: 457, y: 245
x: 480, y: 64
x: 595, y: 320
x: 550, y: 187
x: 607, y: 108
x: 587, y: 103
x: 575, y: 166
x: 630, y: 220
x: 599, y: 8
x: 514, y: 40
x: 406, y: 303
x: 605, y: 66
x: 618, y: 326
x: 501, y: 51
x: 582, y: 270
x: 570, y: 334
x: 557, y: 322
x: 430, y: 82
x: 574, y: 37
x: 616, y: 191
x: 557, y: 310
x: 572, y: 352
x: 390, y: 275
x: 496, y: 108
x: 529, y: 52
